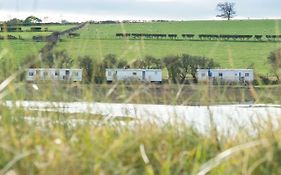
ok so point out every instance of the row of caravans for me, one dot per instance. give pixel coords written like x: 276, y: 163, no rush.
x: 203, y: 75
x: 145, y: 75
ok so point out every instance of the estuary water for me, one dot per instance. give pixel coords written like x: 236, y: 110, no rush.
x: 225, y: 118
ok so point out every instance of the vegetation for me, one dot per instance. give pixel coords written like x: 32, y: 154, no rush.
x: 227, y: 10
x: 179, y: 67
x: 229, y: 54
x: 32, y: 20
x: 274, y: 60
x: 51, y: 142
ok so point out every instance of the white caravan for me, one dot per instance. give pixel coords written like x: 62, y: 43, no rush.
x: 42, y: 74
x: 225, y: 75
x: 146, y: 75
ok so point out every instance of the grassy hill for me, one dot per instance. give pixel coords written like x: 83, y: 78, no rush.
x: 13, y: 52
x: 255, y: 27
x: 98, y: 40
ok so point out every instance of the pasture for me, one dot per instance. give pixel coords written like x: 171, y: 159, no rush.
x: 98, y: 40
x: 27, y: 35
x: 16, y: 50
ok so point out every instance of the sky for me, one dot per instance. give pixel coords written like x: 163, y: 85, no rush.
x: 83, y: 10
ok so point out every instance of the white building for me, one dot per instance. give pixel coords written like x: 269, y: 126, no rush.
x: 225, y: 75
x: 41, y: 74
x: 147, y: 75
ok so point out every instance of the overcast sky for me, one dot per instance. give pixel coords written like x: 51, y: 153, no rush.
x: 82, y: 10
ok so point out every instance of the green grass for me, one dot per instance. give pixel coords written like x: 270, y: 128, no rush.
x: 14, y: 52
x: 17, y: 50
x: 99, y: 40
x: 228, y: 54
x: 56, y: 147
x: 25, y: 35
x: 57, y: 27
x: 28, y: 35
x: 252, y: 27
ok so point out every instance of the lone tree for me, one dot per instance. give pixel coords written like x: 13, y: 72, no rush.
x: 226, y: 9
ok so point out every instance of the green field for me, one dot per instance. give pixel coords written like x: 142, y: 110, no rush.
x: 17, y: 50
x: 252, y: 27
x: 99, y: 39
x: 14, y: 52
x: 28, y: 35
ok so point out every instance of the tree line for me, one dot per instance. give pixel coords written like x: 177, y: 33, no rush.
x: 199, y: 36
x: 181, y: 68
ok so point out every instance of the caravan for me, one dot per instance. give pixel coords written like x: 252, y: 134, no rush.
x: 145, y: 75
x: 41, y: 74
x: 225, y: 75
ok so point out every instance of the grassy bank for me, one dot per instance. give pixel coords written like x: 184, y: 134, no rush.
x: 30, y: 147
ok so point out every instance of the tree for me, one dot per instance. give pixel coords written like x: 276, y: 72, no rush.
x: 86, y: 63
x: 32, y: 20
x: 48, y: 59
x: 182, y: 67
x: 172, y: 64
x: 63, y: 60
x: 110, y: 61
x: 148, y: 62
x: 13, y: 22
x: 226, y: 9
x: 152, y: 62
x: 122, y: 64
x: 274, y: 60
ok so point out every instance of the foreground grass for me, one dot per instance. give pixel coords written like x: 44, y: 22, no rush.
x: 28, y: 147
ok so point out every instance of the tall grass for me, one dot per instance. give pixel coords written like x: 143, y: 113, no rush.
x: 35, y: 147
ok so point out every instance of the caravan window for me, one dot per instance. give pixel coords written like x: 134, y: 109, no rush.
x: 31, y: 73
x: 134, y: 73
x: 247, y: 74
x: 56, y: 73
x: 220, y: 74
x: 109, y: 73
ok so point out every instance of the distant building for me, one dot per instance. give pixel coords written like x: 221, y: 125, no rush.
x: 146, y: 75
x: 41, y: 74
x: 225, y: 75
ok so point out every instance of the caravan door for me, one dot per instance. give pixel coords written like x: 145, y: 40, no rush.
x: 143, y: 75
